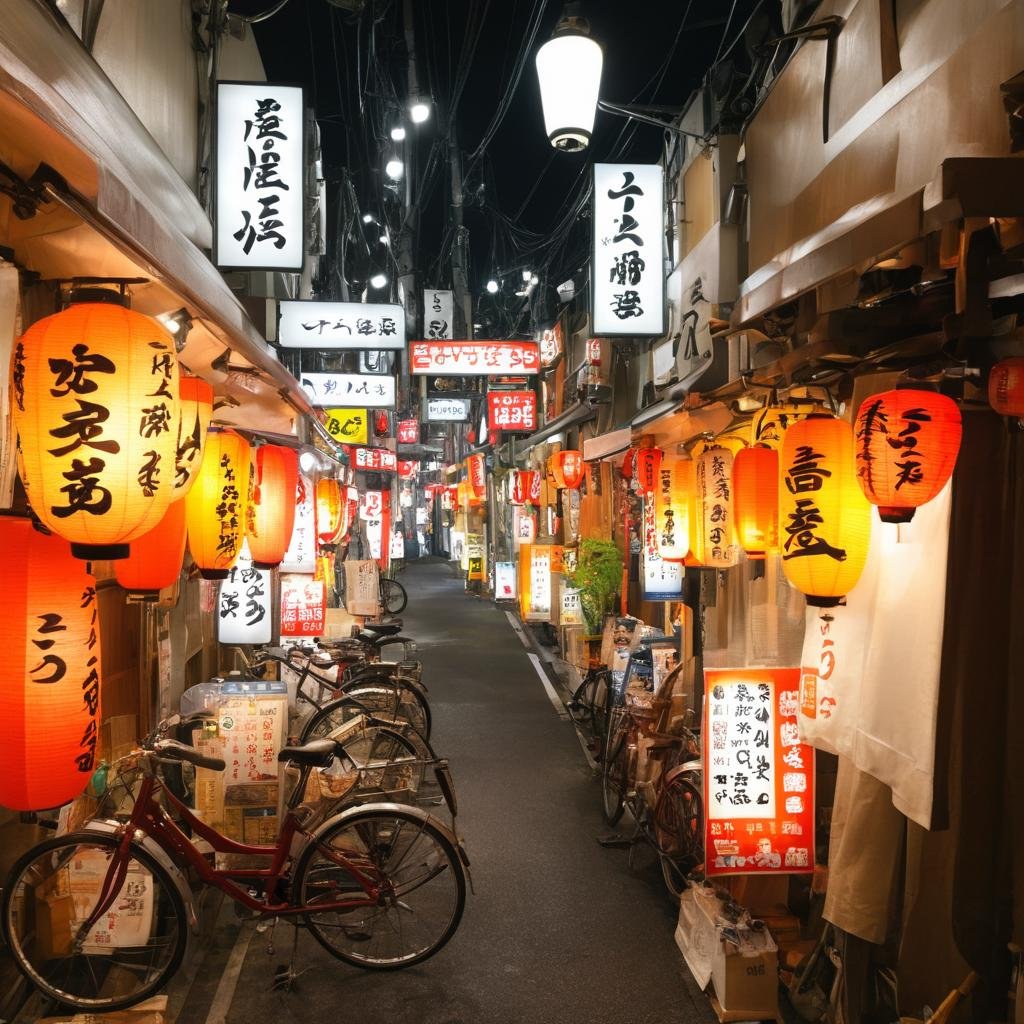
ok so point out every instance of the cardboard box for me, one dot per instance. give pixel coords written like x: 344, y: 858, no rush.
x: 746, y: 977
x: 149, y: 1012
x: 762, y: 895
x: 338, y: 623
x: 55, y: 917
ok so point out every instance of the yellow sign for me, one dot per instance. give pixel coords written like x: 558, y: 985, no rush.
x: 347, y: 426
x: 475, y: 556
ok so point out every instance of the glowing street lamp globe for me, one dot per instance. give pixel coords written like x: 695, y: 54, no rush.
x: 569, y: 73
x: 394, y: 169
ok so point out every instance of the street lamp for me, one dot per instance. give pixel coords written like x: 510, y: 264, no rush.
x: 398, y: 133
x: 419, y: 110
x: 492, y: 287
x: 394, y: 168
x: 569, y: 72
x: 368, y: 218
x: 378, y: 281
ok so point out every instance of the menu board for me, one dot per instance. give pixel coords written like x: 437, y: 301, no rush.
x: 758, y: 776
x: 535, y: 582
x: 303, y: 601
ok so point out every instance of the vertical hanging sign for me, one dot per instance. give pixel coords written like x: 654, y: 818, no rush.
x: 259, y: 175
x: 301, y: 553
x: 629, y: 226
x: 662, y: 579
x: 243, y: 609
x: 438, y: 314
x: 303, y: 601
x: 758, y: 776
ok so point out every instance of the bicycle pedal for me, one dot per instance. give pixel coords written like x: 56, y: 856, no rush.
x: 614, y: 841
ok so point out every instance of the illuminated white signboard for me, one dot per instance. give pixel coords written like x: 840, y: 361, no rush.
x: 374, y: 391
x: 302, y: 323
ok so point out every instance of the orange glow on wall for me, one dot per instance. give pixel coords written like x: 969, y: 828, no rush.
x: 1006, y: 387
x: 276, y: 476
x: 755, y: 481
x: 50, y: 700
x: 155, y: 559
x: 217, y: 506
x: 567, y: 468
x: 330, y: 511
x: 672, y: 500
x: 907, y: 444
x: 196, y: 413
x: 824, y: 518
x: 95, y: 403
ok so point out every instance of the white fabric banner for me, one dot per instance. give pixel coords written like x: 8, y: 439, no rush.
x: 870, y: 681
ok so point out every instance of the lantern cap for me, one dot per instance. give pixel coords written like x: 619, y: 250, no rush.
x: 215, y: 574
x: 265, y: 565
x: 895, y: 514
x: 100, y: 552
x: 824, y: 602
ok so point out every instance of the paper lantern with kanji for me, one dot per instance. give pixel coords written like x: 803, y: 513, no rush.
x: 672, y: 508
x: 96, y: 408
x: 50, y: 698
x: 567, y: 468
x: 755, y: 483
x: 196, y: 413
x: 476, y: 472
x: 1006, y: 387
x: 217, y: 506
x: 770, y: 424
x: 907, y: 444
x: 155, y: 558
x: 714, y: 532
x: 645, y: 469
x: 330, y: 511
x: 824, y: 518
x: 525, y: 486
x: 276, y: 476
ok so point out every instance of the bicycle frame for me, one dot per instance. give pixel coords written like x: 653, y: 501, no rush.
x: 148, y: 818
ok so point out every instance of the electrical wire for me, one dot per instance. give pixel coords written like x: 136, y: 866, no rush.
x: 255, y: 19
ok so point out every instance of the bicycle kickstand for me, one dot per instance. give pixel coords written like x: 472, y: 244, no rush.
x: 617, y: 841
x: 285, y: 974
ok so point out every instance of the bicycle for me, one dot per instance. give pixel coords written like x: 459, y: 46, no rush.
x: 380, y: 886
x: 393, y: 596
x: 590, y: 704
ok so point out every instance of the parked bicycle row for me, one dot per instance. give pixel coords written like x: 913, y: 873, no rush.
x: 361, y: 848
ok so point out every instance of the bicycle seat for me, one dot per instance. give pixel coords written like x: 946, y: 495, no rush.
x: 379, y: 629
x: 316, y: 753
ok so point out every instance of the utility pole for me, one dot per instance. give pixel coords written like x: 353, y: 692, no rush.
x: 410, y: 223
x: 460, y: 262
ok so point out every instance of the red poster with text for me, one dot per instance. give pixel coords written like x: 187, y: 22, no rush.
x: 303, y: 600
x: 758, y: 776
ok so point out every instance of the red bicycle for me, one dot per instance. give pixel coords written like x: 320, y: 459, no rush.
x: 98, y: 919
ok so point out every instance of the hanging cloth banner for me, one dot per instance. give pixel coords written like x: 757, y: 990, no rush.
x: 301, y: 553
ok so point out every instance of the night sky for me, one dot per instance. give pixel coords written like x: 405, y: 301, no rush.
x: 518, y: 188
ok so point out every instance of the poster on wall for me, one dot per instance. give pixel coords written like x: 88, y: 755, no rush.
x: 303, y: 603
x: 570, y: 612
x: 505, y: 581
x: 438, y: 313
x: 662, y: 579
x: 259, y: 171
x: 243, y: 609
x: 758, y: 776
x: 301, y: 553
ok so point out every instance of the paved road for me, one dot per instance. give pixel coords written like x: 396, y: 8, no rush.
x: 560, y: 929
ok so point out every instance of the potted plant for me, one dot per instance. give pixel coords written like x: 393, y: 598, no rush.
x: 598, y: 577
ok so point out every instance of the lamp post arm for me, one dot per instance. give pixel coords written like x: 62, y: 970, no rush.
x: 645, y: 115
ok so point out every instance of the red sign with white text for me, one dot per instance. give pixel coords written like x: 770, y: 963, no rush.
x: 408, y: 431
x: 473, y: 358
x: 512, y: 410
x: 758, y: 776
x: 407, y: 468
x: 303, y: 600
x: 379, y: 460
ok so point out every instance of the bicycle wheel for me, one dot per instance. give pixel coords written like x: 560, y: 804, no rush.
x: 613, y: 774
x: 602, y: 706
x: 393, y: 760
x: 422, y: 881
x: 136, y: 946
x: 337, y: 712
x: 392, y: 596
x: 393, y: 699
x: 679, y: 831
x: 581, y: 704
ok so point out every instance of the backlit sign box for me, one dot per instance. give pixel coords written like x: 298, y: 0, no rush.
x: 447, y: 410
x: 306, y: 323
x: 473, y: 358
x: 326, y: 390
x: 259, y: 172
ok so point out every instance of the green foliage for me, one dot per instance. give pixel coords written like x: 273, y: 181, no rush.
x: 598, y: 577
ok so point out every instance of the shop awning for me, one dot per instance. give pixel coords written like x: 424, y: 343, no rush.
x: 609, y: 444
x: 581, y: 412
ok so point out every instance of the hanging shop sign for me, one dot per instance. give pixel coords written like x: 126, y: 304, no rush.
x: 407, y: 469
x: 243, y: 609
x: 524, y: 524
x: 303, y: 604
x: 476, y: 568
x: 272, y: 512
x: 376, y: 391
x: 535, y: 582
x: 526, y: 485
x: 505, y: 581
x: 758, y: 776
x: 570, y: 612
x: 714, y: 532
x: 755, y: 477
x: 447, y: 410
x: 671, y: 504
x: 301, y: 553
x: 308, y: 323
x: 155, y: 559
x: 473, y: 358
x: 375, y: 460
x: 371, y: 505
x: 512, y: 410
x: 646, y: 464
x: 567, y: 468
x: 438, y: 313
x: 375, y: 535
x: 349, y: 426
x: 629, y: 225
x: 259, y: 171
x: 409, y: 431
x: 476, y: 471
x: 397, y: 545
x: 550, y: 345
x: 662, y: 579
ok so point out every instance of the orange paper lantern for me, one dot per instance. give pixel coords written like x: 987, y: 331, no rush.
x: 155, y: 558
x: 755, y: 481
x: 196, y: 413
x: 824, y: 518
x: 714, y: 531
x: 476, y: 473
x: 672, y: 508
x: 526, y: 487
x: 645, y: 469
x: 567, y: 468
x: 50, y: 700
x: 770, y: 424
x: 96, y: 408
x: 907, y: 444
x: 1006, y: 387
x: 217, y: 506
x: 330, y: 511
x: 276, y: 477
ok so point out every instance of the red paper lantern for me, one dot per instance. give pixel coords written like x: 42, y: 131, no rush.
x: 273, y: 504
x: 476, y: 471
x: 567, y: 468
x: 380, y: 424
x: 907, y: 444
x: 96, y: 407
x: 50, y: 700
x: 648, y: 461
x: 755, y: 483
x: 330, y: 511
x: 154, y: 561
x: 1006, y: 387
x: 525, y: 487
x: 196, y: 413
x: 629, y: 464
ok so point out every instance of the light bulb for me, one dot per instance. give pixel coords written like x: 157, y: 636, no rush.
x: 368, y: 218
x: 398, y: 133
x: 378, y: 281
x: 384, y: 239
x: 534, y: 279
x: 307, y: 462
x: 419, y: 111
x: 394, y: 168
x: 527, y: 274
x: 492, y: 286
